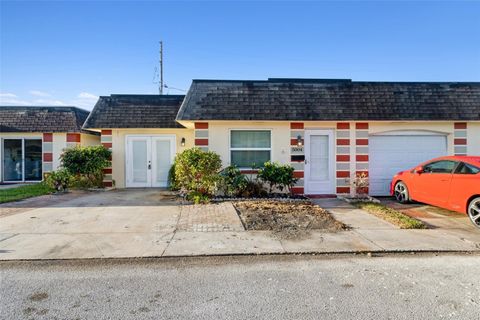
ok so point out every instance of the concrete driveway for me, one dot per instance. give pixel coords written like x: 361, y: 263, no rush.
x: 92, y: 225
x: 152, y: 223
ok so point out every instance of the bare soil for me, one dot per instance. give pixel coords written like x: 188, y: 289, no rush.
x: 287, y: 220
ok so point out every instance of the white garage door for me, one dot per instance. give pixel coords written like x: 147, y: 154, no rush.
x: 390, y: 154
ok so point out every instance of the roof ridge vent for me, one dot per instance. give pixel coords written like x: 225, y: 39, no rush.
x: 308, y: 80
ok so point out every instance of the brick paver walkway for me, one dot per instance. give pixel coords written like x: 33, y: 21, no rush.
x: 209, y: 218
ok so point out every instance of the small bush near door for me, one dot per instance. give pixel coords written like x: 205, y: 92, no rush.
x: 196, y: 173
x: 86, y: 164
x: 277, y: 176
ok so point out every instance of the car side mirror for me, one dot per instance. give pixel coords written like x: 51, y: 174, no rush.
x: 419, y: 170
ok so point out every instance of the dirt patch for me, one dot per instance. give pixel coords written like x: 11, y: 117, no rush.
x: 287, y: 220
x: 38, y: 296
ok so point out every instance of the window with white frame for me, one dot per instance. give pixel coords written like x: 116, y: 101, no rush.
x: 250, y: 148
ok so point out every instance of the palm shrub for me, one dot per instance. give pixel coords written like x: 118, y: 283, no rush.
x: 86, y: 164
x: 276, y: 175
x: 196, y: 173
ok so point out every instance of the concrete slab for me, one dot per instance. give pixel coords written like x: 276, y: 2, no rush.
x: 417, y: 240
x: 205, y: 243
x: 317, y: 241
x: 351, y: 216
x: 83, y: 246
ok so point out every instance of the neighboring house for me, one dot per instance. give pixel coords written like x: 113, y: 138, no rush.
x: 143, y: 135
x: 33, y: 138
x: 329, y: 130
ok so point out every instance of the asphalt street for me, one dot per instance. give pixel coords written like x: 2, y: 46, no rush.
x: 254, y: 287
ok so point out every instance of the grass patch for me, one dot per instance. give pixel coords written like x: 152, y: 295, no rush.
x: 23, y: 192
x: 391, y: 215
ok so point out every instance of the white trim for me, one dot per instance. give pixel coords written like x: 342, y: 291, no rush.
x: 409, y: 133
x: 2, y: 153
x: 230, y: 149
x: 331, y: 183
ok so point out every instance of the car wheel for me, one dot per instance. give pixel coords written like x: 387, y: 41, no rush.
x: 474, y: 212
x: 401, y: 192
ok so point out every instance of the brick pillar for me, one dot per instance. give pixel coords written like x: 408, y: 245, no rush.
x: 342, y: 146
x: 106, y: 140
x: 460, y: 139
x: 47, y: 152
x: 297, y: 155
x: 201, y: 135
x: 73, y: 139
x: 361, y: 149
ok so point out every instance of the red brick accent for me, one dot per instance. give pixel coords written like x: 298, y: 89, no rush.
x: 362, y: 142
x: 293, y: 142
x: 361, y: 125
x: 343, y: 157
x: 460, y: 125
x: 297, y: 190
x: 298, y: 174
x: 107, y: 184
x: 107, y: 170
x: 249, y: 171
x: 343, y: 189
x: 362, y: 157
x: 48, y: 157
x: 296, y: 125
x: 73, y: 137
x: 106, y: 132
x: 343, y: 174
x: 460, y: 142
x: 363, y: 190
x: 360, y: 172
x: 343, y: 125
x: 48, y: 137
x: 201, y: 125
x: 343, y: 142
x: 107, y: 144
x: 201, y: 142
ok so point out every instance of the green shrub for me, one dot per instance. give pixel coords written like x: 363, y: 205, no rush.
x: 254, y: 188
x: 59, y: 180
x: 277, y: 176
x: 196, y: 172
x: 86, y: 164
x: 233, y: 182
x: 172, y: 181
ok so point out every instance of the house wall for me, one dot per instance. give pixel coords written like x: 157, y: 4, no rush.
x: 53, y: 145
x: 115, y: 139
x: 473, y: 138
x: 351, y: 142
x: 89, y: 140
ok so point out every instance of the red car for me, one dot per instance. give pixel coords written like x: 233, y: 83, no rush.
x: 452, y: 183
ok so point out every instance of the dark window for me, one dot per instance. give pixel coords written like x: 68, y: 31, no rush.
x: 443, y: 166
x: 466, y: 168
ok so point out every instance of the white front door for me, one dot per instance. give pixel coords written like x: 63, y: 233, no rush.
x: 319, y: 175
x: 148, y: 160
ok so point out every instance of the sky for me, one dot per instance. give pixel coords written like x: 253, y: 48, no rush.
x: 69, y: 53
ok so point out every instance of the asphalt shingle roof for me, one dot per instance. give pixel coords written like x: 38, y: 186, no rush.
x: 324, y: 99
x: 135, y: 111
x: 42, y: 119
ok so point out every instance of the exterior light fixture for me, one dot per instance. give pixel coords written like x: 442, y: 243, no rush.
x: 299, y: 141
x: 182, y: 143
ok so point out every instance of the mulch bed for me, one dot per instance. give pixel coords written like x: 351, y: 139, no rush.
x: 287, y: 220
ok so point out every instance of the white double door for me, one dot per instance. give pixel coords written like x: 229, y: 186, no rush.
x: 319, y: 174
x: 149, y: 159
